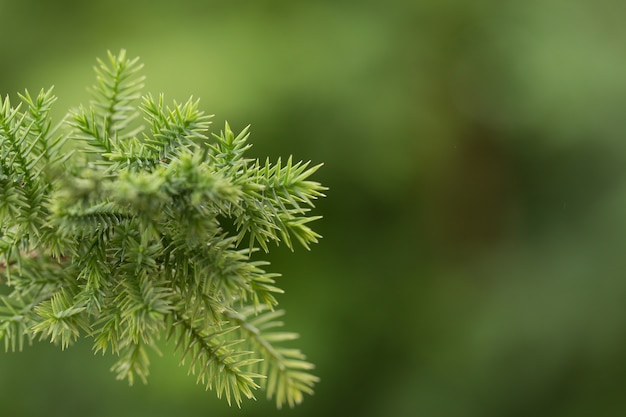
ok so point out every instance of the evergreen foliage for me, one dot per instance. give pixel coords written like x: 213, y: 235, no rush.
x: 139, y: 232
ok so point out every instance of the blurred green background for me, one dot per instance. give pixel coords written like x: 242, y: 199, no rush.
x: 473, y: 260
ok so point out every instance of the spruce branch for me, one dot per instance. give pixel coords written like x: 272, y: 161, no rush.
x: 125, y: 233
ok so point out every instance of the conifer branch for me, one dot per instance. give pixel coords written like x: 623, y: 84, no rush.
x: 124, y: 233
x: 287, y: 370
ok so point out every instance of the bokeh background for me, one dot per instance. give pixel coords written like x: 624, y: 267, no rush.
x: 473, y: 260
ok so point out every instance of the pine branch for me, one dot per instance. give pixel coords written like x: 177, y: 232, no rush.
x: 270, y: 209
x: 133, y: 362
x: 24, y: 190
x: 214, y: 358
x: 141, y: 233
x: 287, y: 369
x: 14, y: 322
x: 173, y: 129
x: 119, y: 85
x: 60, y: 319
